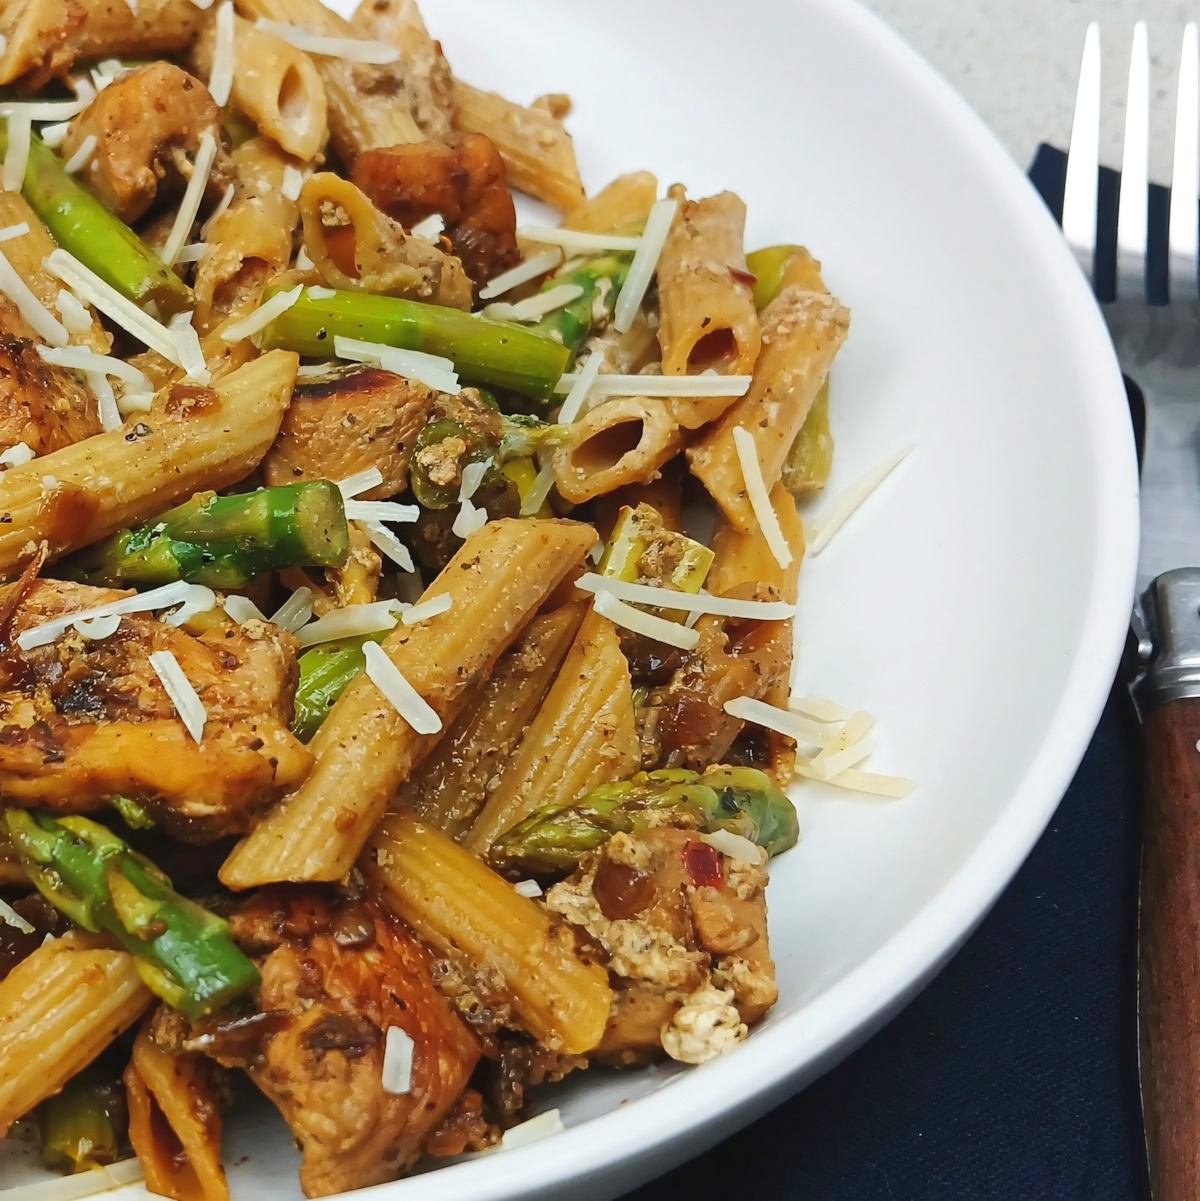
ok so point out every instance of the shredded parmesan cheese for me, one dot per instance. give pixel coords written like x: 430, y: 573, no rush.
x: 55, y: 135
x: 820, y: 708
x: 295, y: 612
x: 791, y: 725
x: 659, y: 385
x: 851, y: 736
x: 359, y: 482
x: 349, y: 622
x: 527, y: 888
x: 189, y: 206
x: 469, y: 520
x: 18, y: 455
x: 183, y: 696
x: 432, y: 370
x: 193, y: 252
x: 534, y: 266
x: 39, y: 318
x: 75, y: 315
x: 386, y: 541
x: 191, y: 353
x: 200, y: 599
x: 82, y: 155
x: 397, y: 1074
x: 263, y: 315
x: 756, y: 493
x: 14, y: 231
x: 534, y: 1130
x: 430, y: 229
x: 79, y: 358
x: 10, y: 917
x: 538, y: 491
x: 81, y: 1184
x: 47, y: 110
x: 670, y: 598
x: 738, y: 848
x: 575, y: 241
x: 837, y: 512
x: 580, y: 389
x: 472, y: 477
x: 315, y: 370
x: 319, y: 293
x: 872, y: 783
x: 222, y: 205
x: 303, y: 262
x: 293, y: 181
x: 220, y: 76
x: 534, y: 307
x: 658, y: 628
x: 242, y: 609
x: 424, y: 610
x: 142, y: 602
x: 381, y: 510
x: 644, y: 265
x: 398, y: 692
x: 106, y: 401
x: 353, y: 50
x: 16, y: 156
x: 98, y: 628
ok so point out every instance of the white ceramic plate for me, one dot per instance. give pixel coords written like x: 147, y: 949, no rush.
x: 976, y: 604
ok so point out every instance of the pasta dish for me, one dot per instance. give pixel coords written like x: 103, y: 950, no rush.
x: 397, y: 621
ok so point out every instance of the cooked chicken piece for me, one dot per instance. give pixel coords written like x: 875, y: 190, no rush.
x: 684, y: 929
x: 43, y: 406
x: 336, y: 979
x: 147, y: 125
x: 461, y: 178
x: 349, y: 420
x: 82, y: 721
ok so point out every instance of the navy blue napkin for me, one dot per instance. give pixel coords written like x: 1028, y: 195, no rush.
x: 1013, y: 1076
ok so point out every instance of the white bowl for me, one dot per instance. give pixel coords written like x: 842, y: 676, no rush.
x: 976, y: 604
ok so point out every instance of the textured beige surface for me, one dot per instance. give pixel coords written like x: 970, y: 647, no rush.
x: 1016, y: 61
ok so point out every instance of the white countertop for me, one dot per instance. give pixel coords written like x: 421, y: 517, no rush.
x: 1017, y: 61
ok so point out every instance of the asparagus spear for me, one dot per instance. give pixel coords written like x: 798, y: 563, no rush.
x: 80, y: 224
x: 768, y: 266
x: 639, y: 538
x: 325, y: 673
x: 224, y: 541
x: 493, y: 353
x: 83, y: 1126
x: 184, y: 953
x: 808, y: 462
x: 740, y: 799
x: 601, y: 279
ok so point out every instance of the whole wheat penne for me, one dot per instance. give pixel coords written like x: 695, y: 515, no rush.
x: 582, y: 736
x: 450, y: 786
x: 802, y: 332
x: 621, y: 205
x: 354, y: 245
x: 367, y: 103
x: 275, y: 85
x: 47, y: 37
x: 622, y: 441
x: 429, y: 84
x: 59, y: 1008
x: 538, y: 153
x: 175, y: 1121
x: 194, y: 438
x: 708, y: 319
x: 460, y: 906
x: 365, y: 749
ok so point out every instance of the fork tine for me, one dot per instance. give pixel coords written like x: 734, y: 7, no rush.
x: 1133, y: 205
x: 1083, y: 157
x: 1182, y: 228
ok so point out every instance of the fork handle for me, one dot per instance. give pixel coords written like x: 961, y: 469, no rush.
x: 1169, y: 950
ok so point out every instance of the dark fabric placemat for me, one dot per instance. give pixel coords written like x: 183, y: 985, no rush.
x: 1013, y: 1076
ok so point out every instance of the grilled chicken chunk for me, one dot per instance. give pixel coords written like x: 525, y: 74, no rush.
x: 463, y: 179
x: 82, y: 721
x: 147, y: 125
x: 347, y: 421
x: 45, y: 407
x: 335, y: 980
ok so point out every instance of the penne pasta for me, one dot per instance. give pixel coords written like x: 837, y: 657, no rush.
x: 365, y: 749
x: 620, y: 206
x: 538, y: 153
x: 275, y: 85
x: 583, y: 735
x: 461, y: 907
x: 367, y: 104
x: 623, y: 441
x: 175, y: 1121
x: 451, y: 785
x: 802, y: 333
x: 355, y: 246
x: 708, y: 320
x: 194, y: 438
x: 59, y: 1008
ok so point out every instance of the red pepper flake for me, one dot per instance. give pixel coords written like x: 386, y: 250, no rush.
x: 704, y: 864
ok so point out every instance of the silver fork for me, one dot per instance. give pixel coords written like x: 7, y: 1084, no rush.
x: 1159, y: 348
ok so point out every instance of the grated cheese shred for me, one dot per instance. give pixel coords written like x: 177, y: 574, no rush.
x: 607, y: 385
x: 842, y: 507
x: 143, y: 602
x: 396, y: 1075
x: 534, y: 266
x: 262, y: 316
x: 189, y: 206
x: 220, y: 76
x: 644, y: 265
x: 353, y: 50
x: 39, y: 318
x: 398, y: 692
x: 658, y: 628
x: 183, y: 696
x: 82, y: 155
x: 760, y: 501
x: 534, y: 307
x: 16, y: 156
x: 670, y: 598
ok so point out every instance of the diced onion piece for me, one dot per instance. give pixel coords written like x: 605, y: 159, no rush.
x: 658, y: 628
x: 189, y: 206
x: 295, y: 611
x: 670, y: 598
x: 18, y: 455
x: 431, y: 228
x: 81, y: 1184
x: 424, y: 610
x: 870, y: 782
x: 98, y: 628
x: 39, y: 318
x: 384, y: 540
x: 430, y: 369
x: 585, y: 378
x: 82, y: 156
x: 644, y: 265
x: 737, y: 847
x: 534, y: 1130
x: 14, y: 231
x: 293, y: 181
x: 106, y: 401
x: 262, y: 316
x: 469, y: 520
x: 200, y: 599
x: 183, y: 696
x: 575, y: 241
x: 534, y: 307
x: 820, y: 708
x: 10, y: 917
x: 381, y: 510
x: 397, y: 1074
x: 533, y: 267
x: 790, y: 725
x: 353, y: 50
x: 87, y: 285
x: 359, y: 482
x: 528, y: 888
x: 16, y: 156
x: 472, y: 477
x: 398, y: 692
x: 659, y: 385
x: 538, y: 491
x: 73, y: 312
x: 220, y: 76
x: 242, y: 609
x: 760, y: 500
x: 349, y: 622
x: 837, y: 511
x: 222, y: 205
x: 143, y: 602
